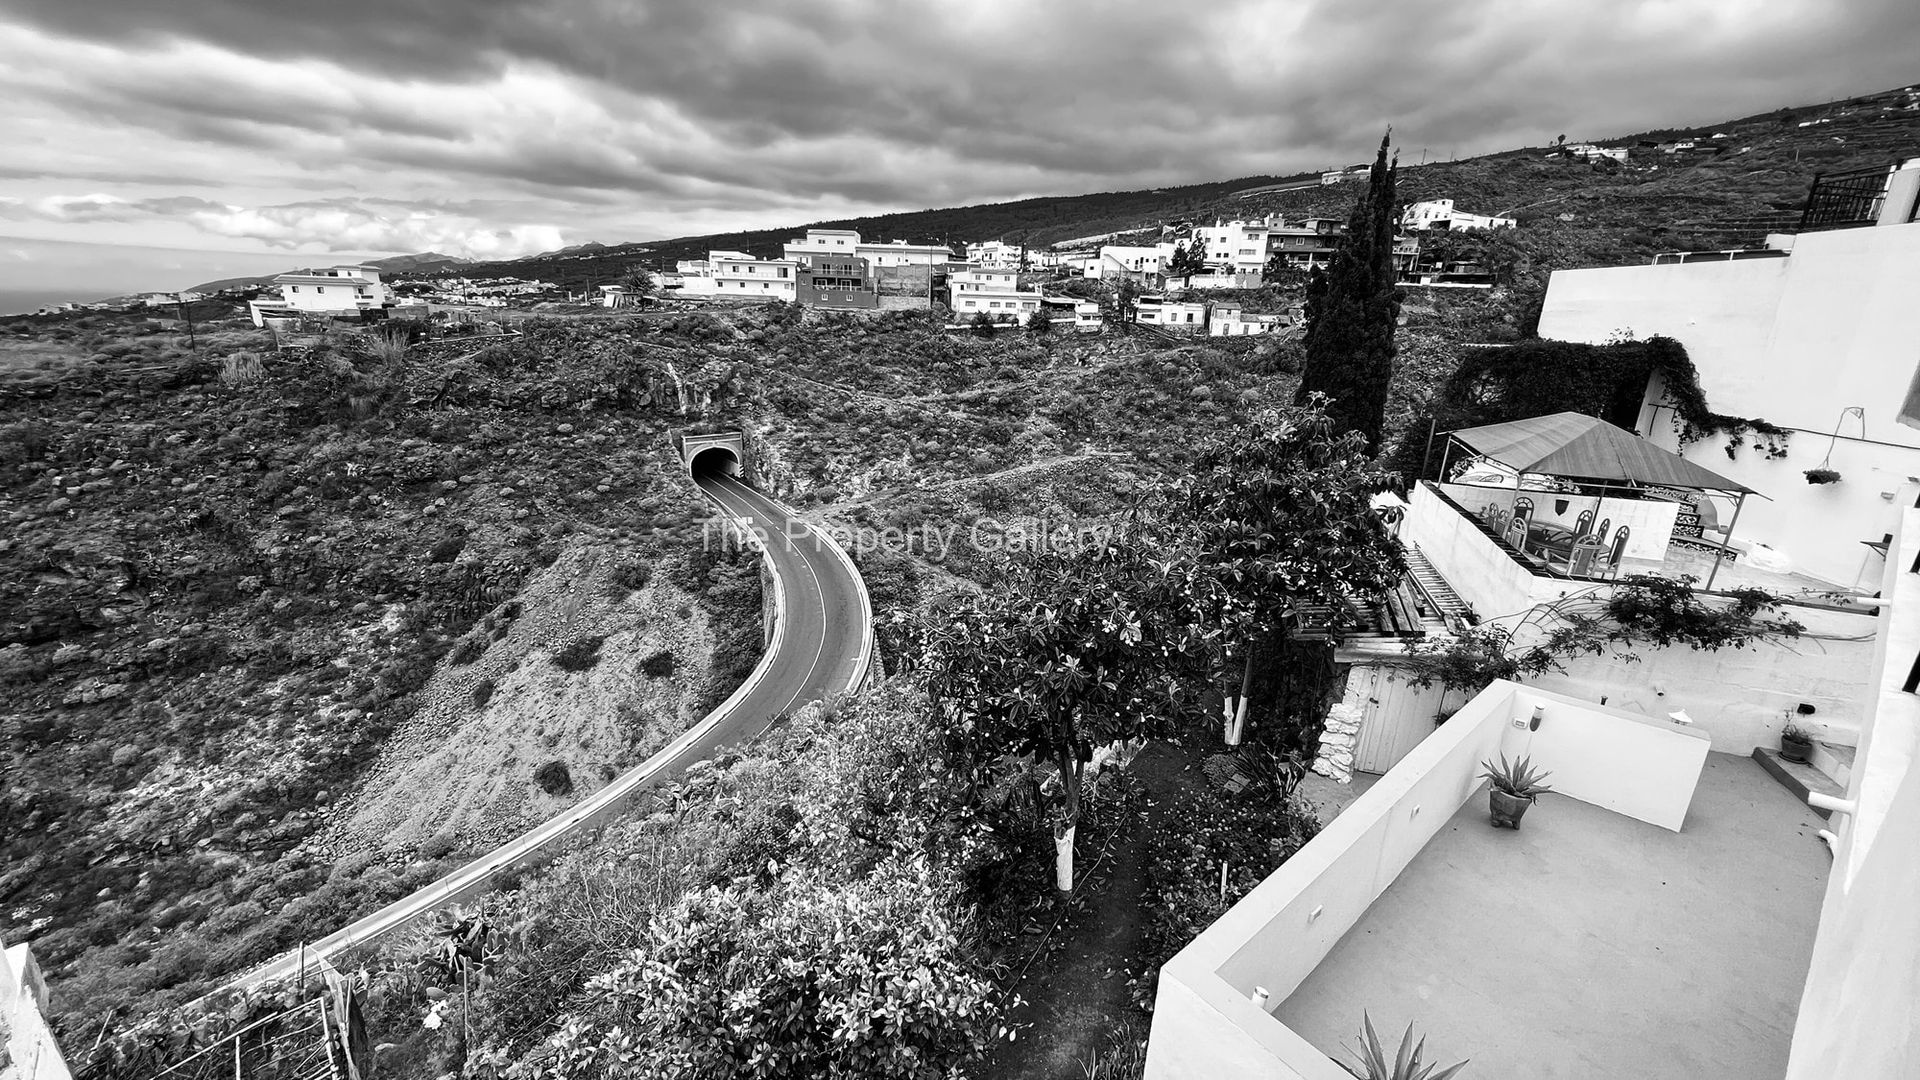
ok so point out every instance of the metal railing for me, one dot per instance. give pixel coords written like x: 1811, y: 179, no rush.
x: 1845, y: 200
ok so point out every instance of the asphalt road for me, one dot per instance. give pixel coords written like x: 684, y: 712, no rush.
x: 821, y: 646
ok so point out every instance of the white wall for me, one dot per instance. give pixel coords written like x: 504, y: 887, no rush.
x: 1741, y: 697
x: 29, y: 1041
x: 1792, y: 340
x: 1480, y: 571
x: 1205, y: 1024
x: 1860, y: 1009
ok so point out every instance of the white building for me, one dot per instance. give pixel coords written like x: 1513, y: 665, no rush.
x: 1238, y: 245
x: 1171, y: 314
x: 1118, y: 261
x: 997, y: 293
x: 877, y: 253
x: 333, y: 290
x: 1230, y: 320
x: 1440, y: 214
x: 1588, y: 151
x: 737, y: 275
x: 1815, y: 334
x: 996, y: 255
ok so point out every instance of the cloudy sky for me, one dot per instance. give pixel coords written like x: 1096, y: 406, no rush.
x: 502, y: 127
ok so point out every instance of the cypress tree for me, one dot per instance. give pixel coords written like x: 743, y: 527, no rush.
x: 1352, y: 309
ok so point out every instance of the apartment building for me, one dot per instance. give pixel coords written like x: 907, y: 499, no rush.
x: 844, y: 282
x: 737, y: 275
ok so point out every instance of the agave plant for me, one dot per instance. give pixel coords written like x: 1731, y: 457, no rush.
x: 1408, y: 1064
x: 1515, y: 778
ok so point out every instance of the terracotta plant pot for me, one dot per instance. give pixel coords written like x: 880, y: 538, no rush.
x: 1507, y: 809
x: 1793, y: 749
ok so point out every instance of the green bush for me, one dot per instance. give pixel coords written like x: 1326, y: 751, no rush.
x: 580, y: 654
x: 658, y: 666
x: 466, y: 651
x: 553, y: 778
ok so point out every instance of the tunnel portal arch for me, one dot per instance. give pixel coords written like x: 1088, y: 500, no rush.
x: 724, y: 452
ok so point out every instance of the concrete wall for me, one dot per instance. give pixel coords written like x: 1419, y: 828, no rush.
x: 1206, y: 1024
x: 1795, y: 341
x: 1741, y: 697
x: 1860, y: 1009
x: 31, y: 1053
x: 1627, y: 762
x: 1483, y: 573
x: 1738, y: 696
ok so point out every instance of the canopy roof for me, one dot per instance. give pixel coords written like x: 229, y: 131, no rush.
x: 1576, y: 445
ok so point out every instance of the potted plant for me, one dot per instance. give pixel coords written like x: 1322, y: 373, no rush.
x: 1823, y: 475
x: 1511, y: 788
x: 1795, y: 743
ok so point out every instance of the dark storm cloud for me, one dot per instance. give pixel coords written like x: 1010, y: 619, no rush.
x: 736, y: 106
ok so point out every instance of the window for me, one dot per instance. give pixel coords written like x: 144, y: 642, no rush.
x: 296, y: 288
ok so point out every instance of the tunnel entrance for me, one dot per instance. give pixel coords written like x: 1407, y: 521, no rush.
x: 715, y: 460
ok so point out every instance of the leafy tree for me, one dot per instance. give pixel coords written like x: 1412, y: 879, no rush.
x: 812, y: 978
x: 1352, y: 310
x: 1274, y: 518
x: 1066, y: 660
x: 981, y: 325
x: 639, y: 282
x: 1188, y: 259
x: 1040, y: 323
x: 1124, y: 295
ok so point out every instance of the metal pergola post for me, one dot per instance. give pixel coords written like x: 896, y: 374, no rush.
x: 1720, y: 552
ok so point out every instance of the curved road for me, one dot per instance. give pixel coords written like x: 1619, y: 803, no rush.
x: 822, y: 645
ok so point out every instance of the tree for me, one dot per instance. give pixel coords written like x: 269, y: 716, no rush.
x: 1352, y: 310
x: 1040, y: 323
x: 1124, y: 294
x: 1188, y: 260
x: 639, y: 282
x: 1065, y: 660
x: 812, y: 978
x: 1274, y: 518
x: 981, y: 325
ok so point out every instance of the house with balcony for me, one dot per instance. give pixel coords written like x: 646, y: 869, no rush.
x: 995, y: 293
x: 330, y: 290
x: 1538, y: 520
x: 843, y: 282
x: 1238, y: 246
x: 1814, y: 334
x: 1695, y: 919
x: 996, y: 255
x: 1083, y: 315
x: 736, y: 275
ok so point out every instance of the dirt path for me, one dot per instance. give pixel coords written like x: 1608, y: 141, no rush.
x: 1077, y: 993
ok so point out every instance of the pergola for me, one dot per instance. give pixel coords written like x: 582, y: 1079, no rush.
x: 1593, y: 453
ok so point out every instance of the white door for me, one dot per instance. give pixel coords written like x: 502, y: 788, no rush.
x: 1395, y: 716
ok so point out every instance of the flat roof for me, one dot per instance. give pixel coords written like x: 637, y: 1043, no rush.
x: 1590, y: 944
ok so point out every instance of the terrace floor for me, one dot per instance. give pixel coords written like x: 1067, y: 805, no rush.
x: 1588, y: 944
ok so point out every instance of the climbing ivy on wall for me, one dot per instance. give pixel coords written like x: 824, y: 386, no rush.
x: 1538, y: 377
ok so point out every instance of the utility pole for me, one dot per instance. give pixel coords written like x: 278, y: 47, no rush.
x: 186, y: 312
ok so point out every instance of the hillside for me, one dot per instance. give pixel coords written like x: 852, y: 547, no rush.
x: 426, y: 262
x: 1728, y: 193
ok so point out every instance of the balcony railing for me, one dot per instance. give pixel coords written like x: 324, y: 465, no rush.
x: 1844, y: 200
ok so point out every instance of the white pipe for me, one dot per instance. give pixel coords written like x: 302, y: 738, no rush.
x: 1822, y: 801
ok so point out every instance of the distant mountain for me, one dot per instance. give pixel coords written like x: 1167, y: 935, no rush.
x: 427, y: 262
x: 231, y: 283
x: 1739, y: 180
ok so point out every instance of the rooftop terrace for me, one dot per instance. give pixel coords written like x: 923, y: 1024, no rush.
x: 1590, y: 944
